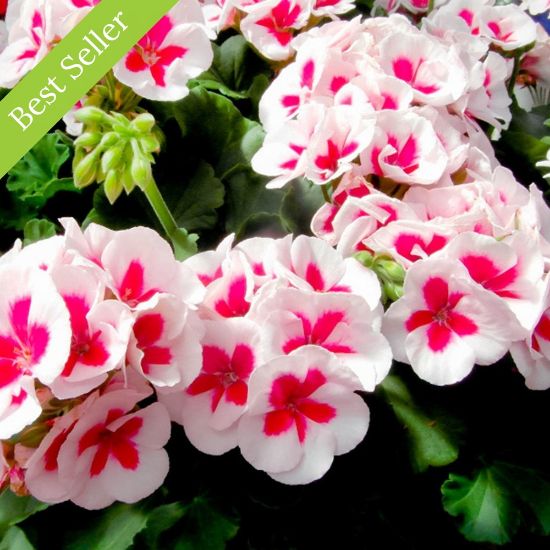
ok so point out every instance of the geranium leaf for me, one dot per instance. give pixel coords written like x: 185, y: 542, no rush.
x: 195, y: 207
x: 431, y: 443
x: 15, y: 539
x: 14, y: 509
x: 36, y: 230
x: 301, y: 201
x: 205, y: 528
x: 214, y: 129
x: 195, y: 526
x: 484, y: 505
x: 531, y: 488
x: 234, y: 69
x: 113, y: 529
x: 35, y: 178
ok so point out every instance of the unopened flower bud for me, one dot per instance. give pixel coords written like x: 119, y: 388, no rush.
x: 88, y: 139
x: 392, y: 291
x: 111, y: 158
x: 140, y: 167
x: 85, y: 172
x: 108, y: 140
x: 365, y: 258
x: 149, y: 143
x: 390, y: 270
x: 143, y: 123
x: 112, y: 186
x: 92, y: 115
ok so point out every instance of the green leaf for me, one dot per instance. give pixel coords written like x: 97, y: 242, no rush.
x: 234, y: 69
x: 14, y: 509
x: 15, y: 539
x: 160, y: 520
x: 34, y: 179
x: 195, y: 207
x: 485, y: 506
x: 215, y: 129
x: 36, y: 230
x: 431, y: 443
x: 531, y: 488
x: 205, y: 528
x: 114, y: 529
x: 4, y: 92
x: 301, y: 201
x: 246, y: 199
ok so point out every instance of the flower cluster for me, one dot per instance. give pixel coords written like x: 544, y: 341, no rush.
x: 176, y: 49
x: 386, y: 115
x: 271, y: 25
x: 260, y: 346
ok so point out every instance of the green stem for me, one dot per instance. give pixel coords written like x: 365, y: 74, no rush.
x: 161, y: 209
x: 513, y: 77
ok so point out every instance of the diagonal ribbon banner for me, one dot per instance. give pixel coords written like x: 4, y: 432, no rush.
x: 70, y: 70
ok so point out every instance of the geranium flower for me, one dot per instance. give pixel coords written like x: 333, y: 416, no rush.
x: 210, y: 407
x: 35, y: 336
x: 341, y: 323
x: 445, y: 323
x: 302, y: 413
x: 100, y: 332
x: 113, y: 454
x: 164, y: 344
x: 176, y: 49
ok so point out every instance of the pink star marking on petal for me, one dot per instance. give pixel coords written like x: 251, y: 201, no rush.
x: 117, y: 443
x: 149, y: 54
x: 224, y: 375
x: 293, y: 405
x: 440, y: 315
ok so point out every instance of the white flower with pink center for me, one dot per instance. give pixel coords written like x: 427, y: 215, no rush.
x: 35, y: 336
x: 405, y: 148
x: 303, y: 411
x: 508, y: 27
x: 283, y: 153
x: 140, y: 264
x: 176, y: 49
x: 210, y: 407
x: 218, y: 14
x: 309, y: 263
x: 409, y: 240
x: 270, y: 25
x: 338, y: 141
x: 512, y: 269
x: 100, y: 332
x: 434, y: 70
x: 231, y: 294
x: 384, y: 91
x: 445, y: 323
x: 532, y: 356
x: 42, y: 474
x: 351, y: 184
x: 359, y: 218
x: 341, y: 323
x: 164, y: 345
x: 113, y: 454
x: 207, y: 265
x: 490, y: 101
x: 32, y: 34
x: 88, y: 244
x: 293, y: 87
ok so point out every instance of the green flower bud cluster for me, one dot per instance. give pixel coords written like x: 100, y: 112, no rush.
x: 390, y: 274
x: 115, y: 150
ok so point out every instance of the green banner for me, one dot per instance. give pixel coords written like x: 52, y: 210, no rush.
x: 68, y: 72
